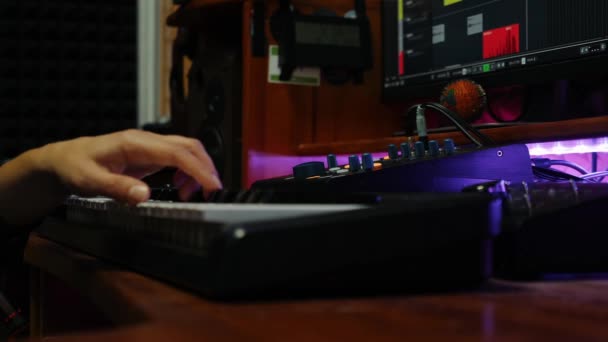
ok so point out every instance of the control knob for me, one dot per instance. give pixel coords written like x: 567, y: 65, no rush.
x: 309, y: 169
x: 353, y: 163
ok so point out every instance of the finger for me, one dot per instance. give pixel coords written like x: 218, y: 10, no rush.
x: 185, y: 161
x: 122, y: 188
x: 169, y: 153
x: 193, y: 145
x: 188, y: 189
x: 180, y: 178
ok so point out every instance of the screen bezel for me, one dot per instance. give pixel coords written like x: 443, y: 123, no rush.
x: 592, y: 66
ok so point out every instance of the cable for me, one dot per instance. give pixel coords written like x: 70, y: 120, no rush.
x: 462, y: 125
x: 554, y: 175
x: 453, y: 116
x: 414, y: 109
x: 547, y: 163
x: 571, y: 165
x: 592, y: 175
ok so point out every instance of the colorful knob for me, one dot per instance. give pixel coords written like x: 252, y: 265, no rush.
x: 448, y: 146
x: 332, y: 161
x: 405, y: 150
x: 368, y: 161
x: 309, y: 169
x: 392, y: 152
x: 419, y: 149
x: 353, y: 163
x: 433, y: 148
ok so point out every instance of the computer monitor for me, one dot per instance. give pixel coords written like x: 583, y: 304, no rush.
x: 427, y: 43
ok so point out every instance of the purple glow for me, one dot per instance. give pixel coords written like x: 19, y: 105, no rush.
x: 577, y: 151
x: 569, y: 147
x: 267, y: 165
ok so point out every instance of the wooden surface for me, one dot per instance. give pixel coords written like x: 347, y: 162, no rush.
x: 566, y: 310
x: 279, y: 117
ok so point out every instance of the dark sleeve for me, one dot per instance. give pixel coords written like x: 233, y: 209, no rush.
x: 14, y: 273
x: 12, y: 242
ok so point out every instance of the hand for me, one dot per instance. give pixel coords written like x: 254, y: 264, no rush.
x: 112, y: 165
x: 107, y: 165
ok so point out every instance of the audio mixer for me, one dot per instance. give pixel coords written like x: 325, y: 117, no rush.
x: 409, y: 168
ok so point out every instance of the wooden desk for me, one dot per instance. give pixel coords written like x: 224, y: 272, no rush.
x: 140, y: 308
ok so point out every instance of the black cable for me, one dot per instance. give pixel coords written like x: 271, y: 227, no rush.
x: 462, y: 125
x: 571, y: 165
x: 554, y: 175
x: 447, y: 112
x: 548, y: 163
x: 411, y: 114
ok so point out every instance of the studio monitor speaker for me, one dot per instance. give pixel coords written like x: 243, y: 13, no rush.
x: 208, y: 105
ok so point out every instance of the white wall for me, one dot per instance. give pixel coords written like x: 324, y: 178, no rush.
x: 148, y: 61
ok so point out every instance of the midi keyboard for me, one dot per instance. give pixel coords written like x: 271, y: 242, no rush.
x: 405, y: 242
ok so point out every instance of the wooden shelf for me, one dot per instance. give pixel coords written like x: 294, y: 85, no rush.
x: 528, y: 133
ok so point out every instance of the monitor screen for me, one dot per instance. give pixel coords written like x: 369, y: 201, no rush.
x: 427, y: 43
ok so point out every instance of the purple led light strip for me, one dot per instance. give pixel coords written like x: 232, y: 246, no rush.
x: 569, y: 147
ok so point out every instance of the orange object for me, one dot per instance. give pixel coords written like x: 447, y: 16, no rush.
x: 465, y: 97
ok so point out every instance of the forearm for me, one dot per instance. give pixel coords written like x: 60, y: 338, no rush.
x: 28, y: 190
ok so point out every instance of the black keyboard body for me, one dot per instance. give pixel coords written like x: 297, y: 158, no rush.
x: 551, y: 229
x: 405, y: 242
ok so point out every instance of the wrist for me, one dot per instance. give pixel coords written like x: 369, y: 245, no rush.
x: 42, y: 165
x: 39, y: 159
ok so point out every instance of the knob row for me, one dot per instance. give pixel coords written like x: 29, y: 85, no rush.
x: 366, y: 162
x: 420, y: 150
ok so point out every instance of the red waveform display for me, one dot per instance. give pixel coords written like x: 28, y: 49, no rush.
x: 501, y: 41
